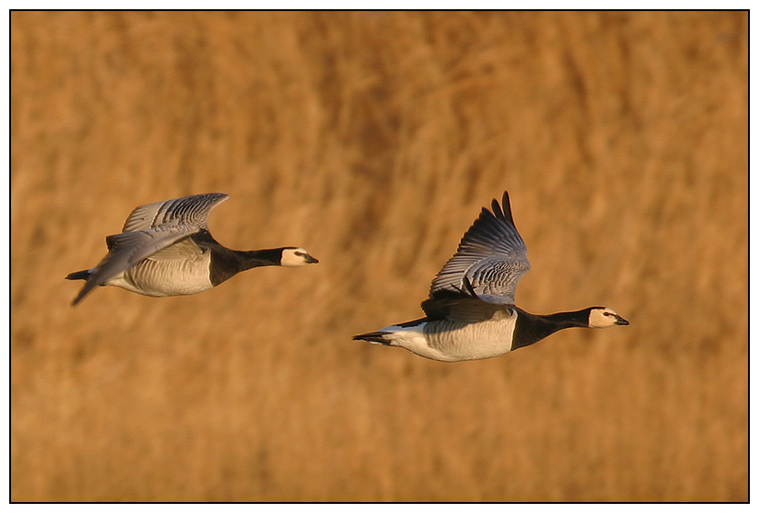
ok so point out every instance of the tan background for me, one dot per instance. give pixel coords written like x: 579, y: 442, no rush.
x: 373, y: 140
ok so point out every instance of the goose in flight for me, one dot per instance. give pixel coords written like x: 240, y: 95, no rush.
x: 166, y: 249
x: 471, y: 312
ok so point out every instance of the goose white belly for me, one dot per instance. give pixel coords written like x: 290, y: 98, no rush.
x: 165, y: 277
x: 452, y: 341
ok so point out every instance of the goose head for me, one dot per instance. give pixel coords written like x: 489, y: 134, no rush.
x: 603, y: 317
x: 292, y: 257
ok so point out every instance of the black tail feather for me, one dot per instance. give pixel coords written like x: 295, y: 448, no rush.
x: 373, y: 337
x: 78, y: 275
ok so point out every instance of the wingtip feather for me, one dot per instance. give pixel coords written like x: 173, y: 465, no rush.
x: 81, y: 295
x: 507, y: 207
x: 496, y: 209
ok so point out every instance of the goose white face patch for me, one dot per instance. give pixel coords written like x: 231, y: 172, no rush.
x: 292, y: 257
x: 603, y: 318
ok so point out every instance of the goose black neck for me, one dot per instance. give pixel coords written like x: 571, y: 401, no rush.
x: 255, y: 258
x: 226, y: 263
x: 531, y: 328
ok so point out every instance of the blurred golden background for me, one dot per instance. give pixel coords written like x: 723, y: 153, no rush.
x: 373, y: 139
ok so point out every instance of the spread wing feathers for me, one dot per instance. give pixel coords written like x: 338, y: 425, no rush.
x: 129, y: 248
x: 189, y: 210
x: 491, y: 256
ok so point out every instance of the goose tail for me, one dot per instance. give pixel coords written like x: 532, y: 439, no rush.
x: 79, y: 275
x: 374, y: 337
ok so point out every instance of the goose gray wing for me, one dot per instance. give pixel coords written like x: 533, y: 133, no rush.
x: 189, y: 210
x: 490, y: 259
x: 129, y: 248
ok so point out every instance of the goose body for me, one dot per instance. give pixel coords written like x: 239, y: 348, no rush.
x: 471, y: 312
x: 166, y: 249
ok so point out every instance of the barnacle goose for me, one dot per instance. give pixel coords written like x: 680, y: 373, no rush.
x: 166, y: 249
x: 471, y: 312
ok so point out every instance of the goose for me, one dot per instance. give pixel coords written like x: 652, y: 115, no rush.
x: 166, y: 249
x: 470, y: 312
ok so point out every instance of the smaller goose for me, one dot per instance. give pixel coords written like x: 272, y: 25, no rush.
x: 471, y: 312
x: 166, y: 249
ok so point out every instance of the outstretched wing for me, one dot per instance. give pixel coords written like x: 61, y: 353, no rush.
x: 129, y: 248
x: 490, y: 260
x: 189, y: 210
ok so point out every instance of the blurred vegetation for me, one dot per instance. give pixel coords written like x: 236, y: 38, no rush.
x: 373, y: 139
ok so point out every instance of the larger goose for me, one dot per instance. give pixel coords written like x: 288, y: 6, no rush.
x: 471, y: 312
x: 166, y: 249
